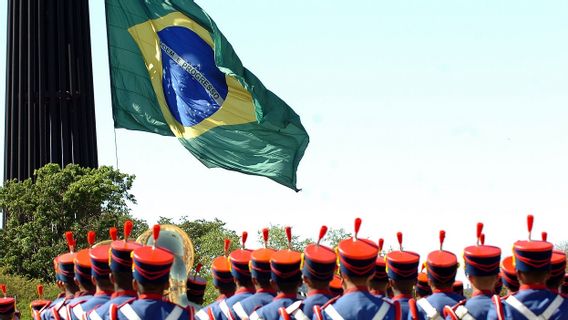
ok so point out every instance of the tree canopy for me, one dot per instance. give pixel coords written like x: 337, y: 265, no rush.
x: 40, y: 209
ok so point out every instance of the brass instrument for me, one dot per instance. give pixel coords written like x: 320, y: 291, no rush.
x: 179, y: 244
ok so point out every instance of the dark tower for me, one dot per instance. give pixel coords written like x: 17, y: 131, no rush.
x: 50, y: 111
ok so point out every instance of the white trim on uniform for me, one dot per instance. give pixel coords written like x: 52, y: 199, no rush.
x: 129, y: 313
x: 522, y: 309
x: 332, y: 313
x: 431, y: 312
x: 240, y: 311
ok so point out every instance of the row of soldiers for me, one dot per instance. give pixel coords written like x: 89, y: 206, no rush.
x: 264, y: 283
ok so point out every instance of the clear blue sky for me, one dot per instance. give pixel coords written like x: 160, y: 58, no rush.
x: 422, y: 115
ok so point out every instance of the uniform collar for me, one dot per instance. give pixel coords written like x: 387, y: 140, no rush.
x: 488, y: 293
x: 221, y: 297
x: 285, y: 295
x: 447, y: 290
x: 401, y: 296
x: 103, y: 293
x: 121, y: 293
x: 318, y: 291
x: 536, y: 286
x: 244, y: 290
x: 555, y: 291
x: 263, y: 290
x: 355, y: 289
x: 150, y: 296
x: 378, y: 293
x: 83, y: 293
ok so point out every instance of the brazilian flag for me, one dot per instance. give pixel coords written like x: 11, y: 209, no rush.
x: 174, y: 73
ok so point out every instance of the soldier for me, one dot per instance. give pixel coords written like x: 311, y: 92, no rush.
x: 509, y: 276
x: 379, y: 283
x: 557, y: 268
x: 99, y: 276
x: 499, y: 284
x: 260, y: 272
x: 457, y: 288
x: 66, y: 274
x: 357, y: 259
x: 402, y: 270
x: 335, y: 286
x: 533, y: 300
x: 195, y: 288
x: 240, y: 270
x: 286, y: 277
x: 7, y: 306
x: 151, y: 272
x: 83, y: 279
x: 564, y: 287
x: 37, y: 306
x: 423, y: 288
x: 320, y: 263
x: 441, y: 269
x: 222, y: 280
x: 120, y: 265
x: 482, y: 271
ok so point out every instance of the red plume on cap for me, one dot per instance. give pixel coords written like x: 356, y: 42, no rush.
x: 381, y: 243
x: 482, y: 239
x: 127, y: 229
x: 244, y: 239
x: 399, y: 238
x: 226, y: 246
x: 70, y: 241
x: 323, y: 231
x: 544, y: 235
x: 198, y: 268
x: 265, y: 236
x: 357, y: 227
x: 113, y: 233
x: 3, y: 288
x: 155, y: 234
x: 288, y: 230
x: 91, y: 238
x: 442, y: 238
x: 40, y: 291
x: 530, y: 221
x: 479, y: 231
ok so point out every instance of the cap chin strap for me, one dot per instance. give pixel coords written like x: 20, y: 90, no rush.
x: 522, y: 309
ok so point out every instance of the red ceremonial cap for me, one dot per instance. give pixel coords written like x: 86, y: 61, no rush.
x: 402, y: 264
x: 40, y: 303
x: 319, y: 261
x: 152, y: 264
x: 532, y: 255
x: 357, y: 256
x: 335, y: 286
x: 481, y: 260
x: 509, y: 274
x: 285, y: 264
x: 240, y: 260
x: 442, y: 265
x: 260, y: 259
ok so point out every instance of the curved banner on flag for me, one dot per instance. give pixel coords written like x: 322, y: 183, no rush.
x: 174, y: 73
x: 194, y: 95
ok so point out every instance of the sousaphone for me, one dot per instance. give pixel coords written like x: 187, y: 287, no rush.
x: 179, y: 244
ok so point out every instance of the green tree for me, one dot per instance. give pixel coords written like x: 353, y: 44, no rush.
x: 333, y: 237
x: 278, y: 240
x: 55, y: 200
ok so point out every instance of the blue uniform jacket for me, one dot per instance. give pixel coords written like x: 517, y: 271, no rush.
x: 256, y: 301
x: 403, y: 299
x: 270, y: 311
x: 87, y: 305
x: 477, y: 306
x: 151, y: 307
x: 357, y: 304
x: 46, y: 313
x: 239, y: 295
x: 116, y: 298
x: 438, y: 300
x: 315, y: 298
x: 536, y: 299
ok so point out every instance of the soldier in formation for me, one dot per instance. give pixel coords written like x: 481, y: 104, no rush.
x: 356, y: 280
